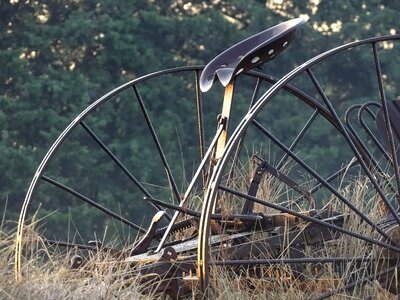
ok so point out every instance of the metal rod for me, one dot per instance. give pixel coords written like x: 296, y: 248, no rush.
x: 93, y: 203
x: 119, y: 164
x: 304, y: 260
x: 285, y: 179
x: 191, y: 185
x: 197, y: 214
x: 157, y: 143
x: 355, y: 151
x: 200, y: 125
x: 308, y: 218
x: 298, y: 138
x: 69, y: 245
x: 319, y: 178
x: 389, y: 130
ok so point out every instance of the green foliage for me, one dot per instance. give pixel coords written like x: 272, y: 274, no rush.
x: 56, y: 57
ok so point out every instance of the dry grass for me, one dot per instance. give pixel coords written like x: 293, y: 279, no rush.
x: 48, y: 276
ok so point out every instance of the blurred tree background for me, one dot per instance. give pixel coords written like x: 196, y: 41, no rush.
x: 58, y: 56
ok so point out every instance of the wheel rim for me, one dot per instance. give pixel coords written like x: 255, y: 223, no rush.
x: 221, y: 188
x: 51, y: 168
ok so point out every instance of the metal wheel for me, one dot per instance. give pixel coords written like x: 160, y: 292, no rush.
x: 102, y: 186
x: 321, y: 195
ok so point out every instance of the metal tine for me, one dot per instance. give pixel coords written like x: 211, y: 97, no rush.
x: 92, y: 203
x: 365, y: 107
x: 358, y: 155
x: 319, y: 178
x: 120, y: 164
x: 157, y: 143
x: 374, y: 165
x: 387, y: 121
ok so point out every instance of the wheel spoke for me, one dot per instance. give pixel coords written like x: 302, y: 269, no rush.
x: 120, y: 165
x: 389, y: 130
x: 298, y: 138
x: 157, y: 144
x: 92, y: 203
x: 320, y: 179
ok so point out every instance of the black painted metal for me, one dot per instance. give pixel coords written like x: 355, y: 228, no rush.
x: 120, y: 164
x: 211, y: 196
x: 309, y: 218
x: 200, y: 125
x: 157, y: 144
x: 320, y: 179
x: 359, y: 156
x: 298, y: 138
x: 93, y: 203
x: 389, y: 130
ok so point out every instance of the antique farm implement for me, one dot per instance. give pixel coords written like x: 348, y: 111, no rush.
x: 258, y: 197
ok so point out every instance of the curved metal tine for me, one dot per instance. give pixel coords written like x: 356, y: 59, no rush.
x: 200, y: 126
x: 387, y: 121
x: 374, y: 165
x: 93, y: 203
x: 191, y: 185
x: 157, y: 143
x: 298, y: 138
x: 354, y: 283
x: 309, y: 218
x: 365, y: 107
x: 319, y: 178
x: 120, y: 165
x: 355, y: 151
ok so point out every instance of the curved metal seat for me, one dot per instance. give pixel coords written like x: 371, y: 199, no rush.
x: 249, y: 53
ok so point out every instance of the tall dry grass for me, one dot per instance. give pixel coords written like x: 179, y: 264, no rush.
x: 47, y: 273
